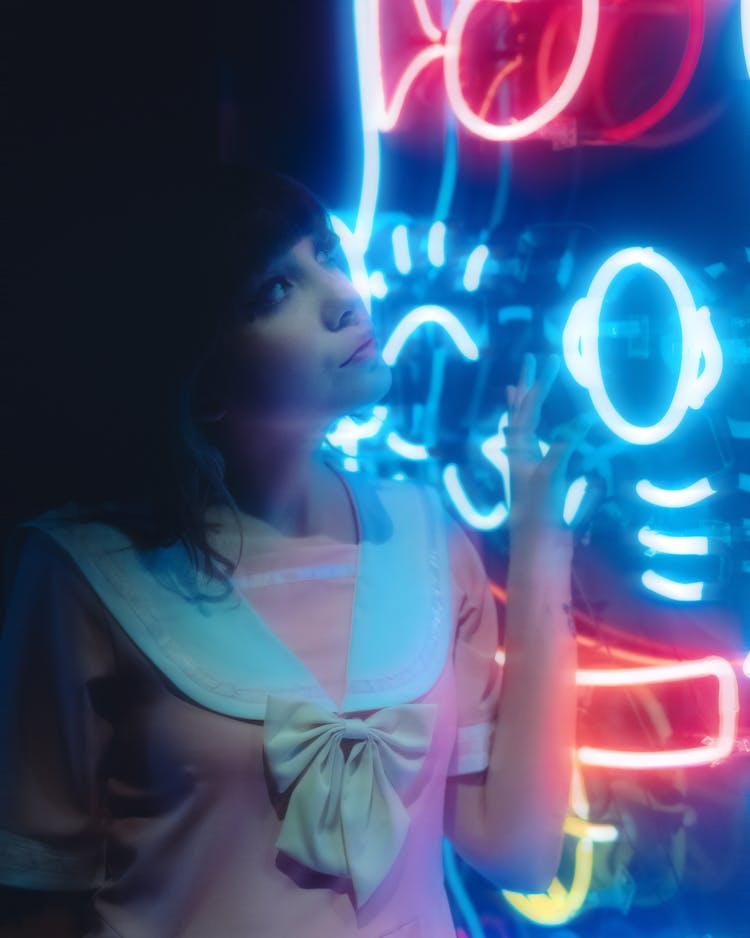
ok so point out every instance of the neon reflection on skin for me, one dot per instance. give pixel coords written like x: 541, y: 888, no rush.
x: 699, y: 345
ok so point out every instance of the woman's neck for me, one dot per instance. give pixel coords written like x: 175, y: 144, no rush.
x: 281, y: 484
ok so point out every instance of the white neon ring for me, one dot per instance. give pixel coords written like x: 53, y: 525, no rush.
x: 581, y: 346
x: 547, y: 111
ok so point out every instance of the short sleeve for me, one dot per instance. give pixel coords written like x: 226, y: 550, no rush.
x: 55, y: 659
x: 477, y: 673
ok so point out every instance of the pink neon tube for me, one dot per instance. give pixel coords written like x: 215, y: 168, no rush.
x: 547, y: 111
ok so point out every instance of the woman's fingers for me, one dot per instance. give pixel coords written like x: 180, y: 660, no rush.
x: 566, y: 439
x: 529, y: 395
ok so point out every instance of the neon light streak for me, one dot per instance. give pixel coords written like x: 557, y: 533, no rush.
x: 746, y: 665
x: 377, y: 284
x: 401, y: 255
x: 366, y: 25
x: 474, y: 266
x: 700, y: 347
x: 543, y: 115
x: 430, y: 314
x: 430, y: 30
x: 683, y: 545
x: 355, y: 259
x: 436, y: 244
x: 745, y: 23
x: 728, y: 706
x: 573, y: 498
x: 402, y: 447
x: 675, y: 498
x: 673, y: 589
x: 672, y: 95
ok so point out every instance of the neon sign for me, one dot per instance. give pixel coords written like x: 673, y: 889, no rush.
x: 700, y: 347
x: 691, y: 494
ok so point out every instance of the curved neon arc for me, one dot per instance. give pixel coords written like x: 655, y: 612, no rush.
x: 675, y: 498
x: 699, y: 344
x: 547, y: 111
x: 430, y: 313
x: 745, y: 29
x: 673, y: 589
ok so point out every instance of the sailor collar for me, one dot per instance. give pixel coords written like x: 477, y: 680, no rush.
x: 217, y: 650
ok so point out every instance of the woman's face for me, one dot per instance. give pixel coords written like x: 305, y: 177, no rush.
x: 307, y: 349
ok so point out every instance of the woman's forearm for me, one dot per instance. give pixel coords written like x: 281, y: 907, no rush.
x: 525, y: 795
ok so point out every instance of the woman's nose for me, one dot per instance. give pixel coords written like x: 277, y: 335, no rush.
x: 344, y: 306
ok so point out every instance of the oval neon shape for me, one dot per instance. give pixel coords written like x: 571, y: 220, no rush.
x: 547, y: 111
x: 699, y: 342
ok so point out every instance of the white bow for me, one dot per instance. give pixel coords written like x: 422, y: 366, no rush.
x: 345, y: 816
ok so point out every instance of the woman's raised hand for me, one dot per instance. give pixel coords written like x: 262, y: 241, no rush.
x: 538, y: 483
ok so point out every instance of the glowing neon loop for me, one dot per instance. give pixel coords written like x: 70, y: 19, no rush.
x: 745, y: 23
x: 544, y: 114
x: 581, y: 348
x: 401, y: 255
x: 672, y: 95
x: 677, y: 544
x: 436, y: 244
x: 673, y: 589
x: 474, y: 267
x: 728, y: 706
x: 675, y: 498
x: 672, y: 671
x: 430, y: 314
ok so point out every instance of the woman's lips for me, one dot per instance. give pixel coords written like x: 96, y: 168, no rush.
x: 364, y: 350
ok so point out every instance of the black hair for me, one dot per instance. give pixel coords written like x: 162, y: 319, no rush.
x: 171, y: 268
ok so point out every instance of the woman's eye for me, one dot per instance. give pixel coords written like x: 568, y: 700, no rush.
x: 328, y: 253
x: 271, y: 293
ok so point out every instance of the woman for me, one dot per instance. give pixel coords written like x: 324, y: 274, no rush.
x: 251, y: 697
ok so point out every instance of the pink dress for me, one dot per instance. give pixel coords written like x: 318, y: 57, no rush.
x: 114, y: 779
